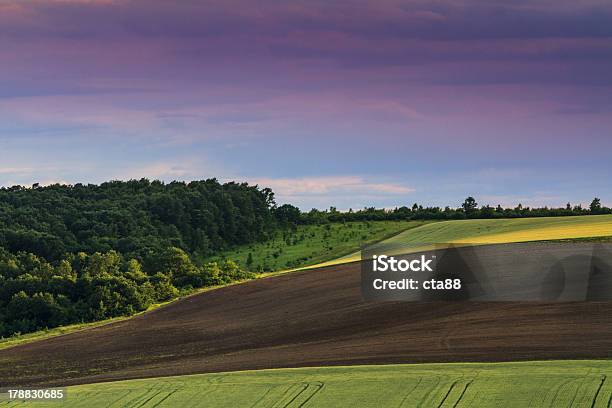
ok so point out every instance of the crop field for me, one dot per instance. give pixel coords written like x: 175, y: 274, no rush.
x: 311, y: 244
x: 309, y: 319
x: 494, y: 231
x: 528, y: 384
x: 508, y: 230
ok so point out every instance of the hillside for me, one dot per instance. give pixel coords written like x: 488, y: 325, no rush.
x: 492, y: 231
x: 305, y: 245
x: 309, y: 318
x: 507, y: 230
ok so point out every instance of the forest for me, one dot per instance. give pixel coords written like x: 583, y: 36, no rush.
x: 82, y: 253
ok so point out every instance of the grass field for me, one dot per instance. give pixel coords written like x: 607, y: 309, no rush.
x: 312, y: 244
x: 495, y: 231
x: 528, y: 384
x: 508, y: 230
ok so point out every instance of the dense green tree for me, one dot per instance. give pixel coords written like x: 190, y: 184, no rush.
x: 134, y: 217
x: 35, y: 294
x: 288, y: 214
x: 87, y: 252
x: 469, y: 205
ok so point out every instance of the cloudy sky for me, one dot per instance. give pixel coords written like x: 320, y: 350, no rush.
x: 345, y: 103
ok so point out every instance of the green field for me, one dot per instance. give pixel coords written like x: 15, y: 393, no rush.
x: 312, y: 244
x: 508, y: 230
x: 495, y: 231
x: 527, y: 384
x: 329, y: 244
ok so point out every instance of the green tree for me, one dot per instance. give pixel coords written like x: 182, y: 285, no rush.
x: 175, y: 262
x: 104, y: 264
x: 595, y: 206
x: 469, y: 205
x: 134, y: 271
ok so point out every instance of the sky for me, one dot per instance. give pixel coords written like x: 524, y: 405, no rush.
x: 346, y: 103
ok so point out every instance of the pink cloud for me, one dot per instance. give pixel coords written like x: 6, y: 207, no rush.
x: 341, y: 185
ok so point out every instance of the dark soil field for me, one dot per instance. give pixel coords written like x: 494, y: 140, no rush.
x: 310, y: 318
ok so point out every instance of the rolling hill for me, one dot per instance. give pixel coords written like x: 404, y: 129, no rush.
x: 308, y: 318
x: 317, y: 318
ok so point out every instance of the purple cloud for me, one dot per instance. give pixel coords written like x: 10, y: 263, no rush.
x: 302, y: 90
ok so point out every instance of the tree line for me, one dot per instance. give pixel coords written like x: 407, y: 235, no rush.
x: 134, y: 217
x: 469, y: 209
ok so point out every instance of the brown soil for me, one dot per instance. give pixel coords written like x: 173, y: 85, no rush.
x: 310, y: 318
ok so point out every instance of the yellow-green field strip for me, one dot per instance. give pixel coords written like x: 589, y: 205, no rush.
x: 491, y: 231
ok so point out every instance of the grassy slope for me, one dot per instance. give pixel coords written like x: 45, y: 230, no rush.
x: 312, y: 244
x: 509, y: 230
x: 495, y: 232
x: 534, y: 384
